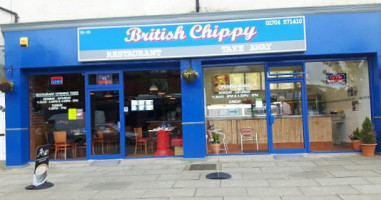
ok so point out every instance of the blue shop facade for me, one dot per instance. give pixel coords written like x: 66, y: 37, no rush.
x: 172, y: 85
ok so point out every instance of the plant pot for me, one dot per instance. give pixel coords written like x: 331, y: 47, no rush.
x: 355, y: 144
x: 5, y: 87
x: 215, y: 148
x: 190, y: 78
x: 368, y: 149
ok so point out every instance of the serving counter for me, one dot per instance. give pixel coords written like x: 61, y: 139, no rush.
x: 286, y: 129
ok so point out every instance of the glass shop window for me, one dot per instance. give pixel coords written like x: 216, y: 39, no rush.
x: 57, y: 115
x: 338, y: 102
x: 285, y: 71
x: 152, y: 105
x: 236, y: 101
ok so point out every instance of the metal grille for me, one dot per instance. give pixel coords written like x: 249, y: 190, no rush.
x: 105, y: 163
x: 203, y: 167
x: 288, y: 157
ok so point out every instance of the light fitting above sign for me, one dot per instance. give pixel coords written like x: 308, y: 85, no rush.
x: 215, y: 38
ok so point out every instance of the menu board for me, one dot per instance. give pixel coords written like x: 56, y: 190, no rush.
x: 253, y: 80
x: 141, y: 105
x: 237, y: 81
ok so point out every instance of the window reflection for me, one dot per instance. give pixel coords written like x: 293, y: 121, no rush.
x: 236, y: 102
x: 57, y: 115
x: 338, y: 102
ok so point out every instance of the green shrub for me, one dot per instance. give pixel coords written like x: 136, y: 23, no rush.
x: 368, y: 135
x: 356, y: 135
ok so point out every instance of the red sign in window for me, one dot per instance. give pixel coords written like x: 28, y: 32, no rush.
x: 56, y: 80
x: 336, y: 79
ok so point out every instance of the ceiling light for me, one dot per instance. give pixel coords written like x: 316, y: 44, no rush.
x: 153, y: 88
x: 108, y: 95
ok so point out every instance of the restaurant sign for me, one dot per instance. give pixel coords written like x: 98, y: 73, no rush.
x: 198, y: 39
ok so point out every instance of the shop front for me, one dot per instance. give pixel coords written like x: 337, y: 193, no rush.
x: 260, y: 83
x: 288, y: 108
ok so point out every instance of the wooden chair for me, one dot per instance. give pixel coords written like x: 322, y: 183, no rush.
x: 248, y: 135
x: 98, y: 140
x: 79, y: 147
x: 139, y: 140
x: 61, y: 144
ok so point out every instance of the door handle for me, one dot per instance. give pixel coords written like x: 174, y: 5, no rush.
x: 271, y: 120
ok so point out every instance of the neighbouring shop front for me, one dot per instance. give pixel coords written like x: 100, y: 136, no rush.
x: 286, y: 84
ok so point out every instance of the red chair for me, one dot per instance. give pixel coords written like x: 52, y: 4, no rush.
x: 248, y: 135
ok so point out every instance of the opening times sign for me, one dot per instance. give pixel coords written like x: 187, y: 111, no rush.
x: 57, y: 100
x: 216, y: 38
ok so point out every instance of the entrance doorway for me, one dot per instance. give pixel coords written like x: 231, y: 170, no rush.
x: 286, y: 109
x: 105, y: 122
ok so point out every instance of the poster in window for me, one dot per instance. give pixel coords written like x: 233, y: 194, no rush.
x: 221, y: 82
x: 237, y: 81
x: 253, y: 80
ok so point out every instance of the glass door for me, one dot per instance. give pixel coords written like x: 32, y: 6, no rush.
x: 286, y: 109
x: 105, y: 122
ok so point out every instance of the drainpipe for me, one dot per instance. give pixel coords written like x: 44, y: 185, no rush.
x: 197, y: 6
x: 12, y: 13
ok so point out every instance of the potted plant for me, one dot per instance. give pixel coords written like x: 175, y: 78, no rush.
x: 368, y: 138
x: 355, y: 139
x: 215, y: 142
x: 6, y: 85
x: 189, y: 75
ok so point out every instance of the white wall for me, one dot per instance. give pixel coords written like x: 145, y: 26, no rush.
x: 234, y: 5
x: 50, y: 10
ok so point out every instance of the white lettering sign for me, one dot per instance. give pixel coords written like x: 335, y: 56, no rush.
x: 57, y: 99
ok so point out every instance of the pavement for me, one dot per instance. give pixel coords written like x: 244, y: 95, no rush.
x: 329, y: 176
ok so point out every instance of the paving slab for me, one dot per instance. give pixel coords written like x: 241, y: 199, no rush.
x: 342, y: 181
x: 252, y: 198
x: 375, y: 180
x: 243, y: 183
x: 293, y: 182
x: 196, y: 198
x: 197, y: 183
x: 177, y: 192
x: 311, y: 198
x: 354, y: 173
x: 224, y: 192
x: 328, y: 190
x: 368, y: 189
x: 360, y: 197
x: 115, y: 194
x: 273, y: 191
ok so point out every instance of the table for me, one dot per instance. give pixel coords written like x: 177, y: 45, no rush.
x: 163, y: 141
